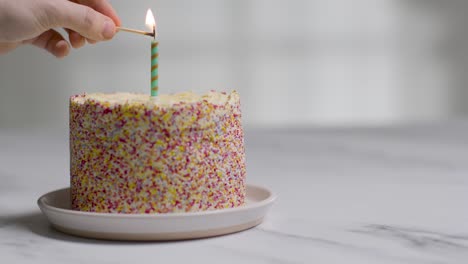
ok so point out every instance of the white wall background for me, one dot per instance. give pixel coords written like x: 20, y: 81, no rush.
x: 334, y: 62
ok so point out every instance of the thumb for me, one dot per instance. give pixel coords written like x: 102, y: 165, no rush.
x: 82, y: 19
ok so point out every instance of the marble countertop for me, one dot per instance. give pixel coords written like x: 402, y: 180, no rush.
x: 363, y: 195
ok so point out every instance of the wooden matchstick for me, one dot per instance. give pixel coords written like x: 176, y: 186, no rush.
x: 151, y: 34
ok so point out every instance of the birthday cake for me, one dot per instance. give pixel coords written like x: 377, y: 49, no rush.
x: 130, y: 153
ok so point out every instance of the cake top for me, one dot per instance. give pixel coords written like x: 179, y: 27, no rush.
x: 163, y: 100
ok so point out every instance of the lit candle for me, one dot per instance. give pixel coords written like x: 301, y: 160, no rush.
x: 151, y: 24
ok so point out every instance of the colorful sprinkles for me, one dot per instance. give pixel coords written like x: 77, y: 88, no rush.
x: 136, y: 157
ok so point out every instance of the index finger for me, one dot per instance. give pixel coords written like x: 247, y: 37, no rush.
x: 103, y: 7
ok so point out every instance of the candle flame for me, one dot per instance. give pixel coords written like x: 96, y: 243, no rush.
x: 150, y: 22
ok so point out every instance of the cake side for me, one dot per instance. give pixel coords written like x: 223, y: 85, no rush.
x: 133, y: 156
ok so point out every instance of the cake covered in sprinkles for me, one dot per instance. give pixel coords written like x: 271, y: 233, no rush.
x: 130, y: 153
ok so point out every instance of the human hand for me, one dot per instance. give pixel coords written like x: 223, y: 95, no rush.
x: 32, y: 22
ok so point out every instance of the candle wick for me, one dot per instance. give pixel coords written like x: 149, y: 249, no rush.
x: 154, y: 32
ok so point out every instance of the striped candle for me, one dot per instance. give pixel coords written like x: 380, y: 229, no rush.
x: 154, y: 68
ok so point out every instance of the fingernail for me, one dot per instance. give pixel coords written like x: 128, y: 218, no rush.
x: 108, y: 30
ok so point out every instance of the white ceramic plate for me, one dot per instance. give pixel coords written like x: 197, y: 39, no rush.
x: 173, y: 226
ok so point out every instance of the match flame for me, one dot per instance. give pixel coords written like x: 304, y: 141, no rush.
x: 150, y: 22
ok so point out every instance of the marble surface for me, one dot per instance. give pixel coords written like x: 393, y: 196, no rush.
x: 363, y: 195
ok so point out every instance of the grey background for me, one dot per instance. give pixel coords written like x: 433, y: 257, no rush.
x: 294, y: 62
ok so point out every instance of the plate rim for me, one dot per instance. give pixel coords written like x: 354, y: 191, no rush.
x: 268, y: 200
